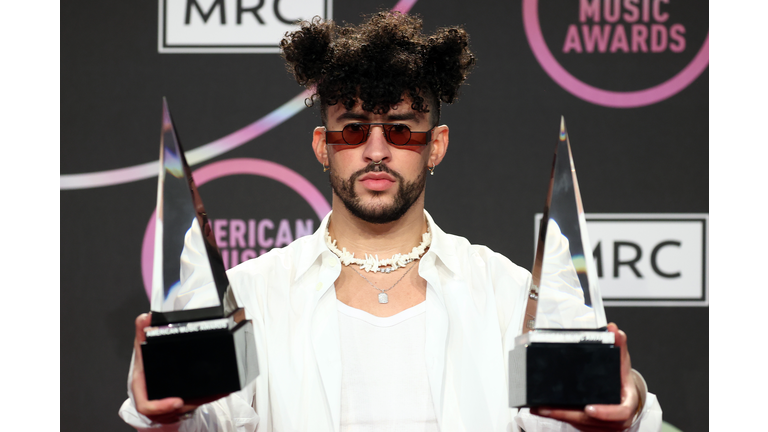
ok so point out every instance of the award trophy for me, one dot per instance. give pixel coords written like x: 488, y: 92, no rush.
x: 565, y: 356
x: 205, y: 351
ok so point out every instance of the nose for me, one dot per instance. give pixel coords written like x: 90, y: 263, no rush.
x: 376, y: 147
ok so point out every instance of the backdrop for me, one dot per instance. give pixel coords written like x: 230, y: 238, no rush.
x: 630, y: 77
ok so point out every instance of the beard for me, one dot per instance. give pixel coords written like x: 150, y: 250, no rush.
x: 378, y: 213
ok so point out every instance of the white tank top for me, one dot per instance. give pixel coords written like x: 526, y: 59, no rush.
x: 384, y: 385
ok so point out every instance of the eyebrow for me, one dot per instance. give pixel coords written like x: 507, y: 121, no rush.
x: 404, y: 116
x: 348, y: 115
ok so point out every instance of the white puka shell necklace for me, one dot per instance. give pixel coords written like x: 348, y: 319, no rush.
x: 372, y: 263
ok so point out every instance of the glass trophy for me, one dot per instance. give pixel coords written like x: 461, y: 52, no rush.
x: 194, y: 348
x: 565, y: 356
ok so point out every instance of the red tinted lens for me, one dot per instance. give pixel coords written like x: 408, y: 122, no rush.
x: 419, y: 138
x: 355, y: 133
x: 399, y: 134
x: 334, y: 138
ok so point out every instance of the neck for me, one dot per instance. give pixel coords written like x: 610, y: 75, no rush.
x: 361, y: 237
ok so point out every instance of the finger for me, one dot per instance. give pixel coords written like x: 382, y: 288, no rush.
x: 138, y: 383
x: 621, y: 342
x: 138, y: 386
x: 173, y: 416
x: 621, y: 413
x: 578, y: 419
x: 629, y: 397
x: 626, y: 363
x: 147, y: 407
x: 142, y: 321
x: 567, y: 415
x: 160, y: 406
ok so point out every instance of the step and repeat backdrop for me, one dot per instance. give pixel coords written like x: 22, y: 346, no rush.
x: 630, y: 78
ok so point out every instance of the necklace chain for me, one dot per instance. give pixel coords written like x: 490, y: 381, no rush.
x: 383, y: 297
x: 393, y: 285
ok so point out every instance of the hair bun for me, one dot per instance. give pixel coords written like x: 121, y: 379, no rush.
x: 449, y: 60
x: 306, y: 50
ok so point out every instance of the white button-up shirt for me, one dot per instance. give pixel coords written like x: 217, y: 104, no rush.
x: 475, y: 302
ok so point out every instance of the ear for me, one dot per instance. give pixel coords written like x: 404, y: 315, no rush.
x: 319, y: 146
x: 439, y: 145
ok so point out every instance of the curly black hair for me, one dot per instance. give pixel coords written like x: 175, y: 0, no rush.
x: 378, y: 62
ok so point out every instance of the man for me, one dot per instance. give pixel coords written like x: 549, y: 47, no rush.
x: 380, y: 320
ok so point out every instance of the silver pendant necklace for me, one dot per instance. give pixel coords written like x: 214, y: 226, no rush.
x: 383, y: 297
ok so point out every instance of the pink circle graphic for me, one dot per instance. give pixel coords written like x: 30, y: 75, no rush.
x: 613, y: 99
x: 258, y: 167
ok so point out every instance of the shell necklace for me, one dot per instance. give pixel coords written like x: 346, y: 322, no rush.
x: 372, y: 263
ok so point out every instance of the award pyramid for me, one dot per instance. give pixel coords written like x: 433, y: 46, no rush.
x: 180, y: 218
x: 191, y: 352
x: 564, y: 275
x: 565, y: 356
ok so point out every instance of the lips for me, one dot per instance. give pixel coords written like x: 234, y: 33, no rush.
x: 377, y: 176
x: 377, y: 181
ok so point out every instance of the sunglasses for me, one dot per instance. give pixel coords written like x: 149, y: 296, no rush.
x: 396, y: 134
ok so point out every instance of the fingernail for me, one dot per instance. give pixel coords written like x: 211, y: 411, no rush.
x: 590, y: 409
x: 544, y: 411
x: 178, y: 404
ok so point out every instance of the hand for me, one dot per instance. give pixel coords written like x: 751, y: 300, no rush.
x: 168, y: 410
x: 604, y: 417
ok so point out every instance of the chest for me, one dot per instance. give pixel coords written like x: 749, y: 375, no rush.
x: 384, y: 376
x: 462, y: 351
x: 380, y: 294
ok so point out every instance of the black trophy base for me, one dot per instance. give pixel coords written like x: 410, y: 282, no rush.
x: 200, y: 363
x: 568, y: 375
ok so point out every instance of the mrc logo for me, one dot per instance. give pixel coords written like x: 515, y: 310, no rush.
x: 619, y: 53
x: 649, y: 259
x: 232, y: 26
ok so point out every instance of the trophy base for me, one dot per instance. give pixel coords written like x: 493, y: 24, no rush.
x: 568, y: 375
x: 199, y: 359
